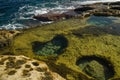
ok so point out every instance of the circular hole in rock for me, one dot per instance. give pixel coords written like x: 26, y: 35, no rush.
x: 52, y: 47
x: 96, y: 67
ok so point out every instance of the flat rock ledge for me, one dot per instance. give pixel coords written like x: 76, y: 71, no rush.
x: 97, y: 9
x: 24, y: 68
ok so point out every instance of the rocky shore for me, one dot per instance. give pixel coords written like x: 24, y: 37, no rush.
x: 97, y: 9
x: 24, y: 68
x: 7, y: 36
x: 69, y: 49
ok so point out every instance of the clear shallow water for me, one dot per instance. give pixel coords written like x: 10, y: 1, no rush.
x: 102, y: 21
x: 103, y: 25
x: 17, y: 14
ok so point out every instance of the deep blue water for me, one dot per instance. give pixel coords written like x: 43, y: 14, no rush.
x: 18, y: 13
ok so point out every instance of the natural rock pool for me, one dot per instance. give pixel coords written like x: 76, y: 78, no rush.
x: 104, y: 21
x: 53, y: 47
x: 96, y: 67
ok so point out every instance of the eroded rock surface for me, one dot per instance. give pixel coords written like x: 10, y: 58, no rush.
x: 6, y: 37
x: 98, y: 9
x: 23, y: 68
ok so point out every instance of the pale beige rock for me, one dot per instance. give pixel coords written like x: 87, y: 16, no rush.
x: 23, y: 68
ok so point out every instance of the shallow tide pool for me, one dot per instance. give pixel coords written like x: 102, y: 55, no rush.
x: 104, y: 21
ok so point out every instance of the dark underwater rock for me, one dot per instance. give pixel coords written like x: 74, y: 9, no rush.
x: 53, y: 47
x: 95, y: 69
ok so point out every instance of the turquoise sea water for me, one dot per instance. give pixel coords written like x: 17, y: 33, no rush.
x: 17, y: 14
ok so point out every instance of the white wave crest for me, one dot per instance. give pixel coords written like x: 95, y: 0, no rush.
x: 12, y: 26
x: 92, y: 1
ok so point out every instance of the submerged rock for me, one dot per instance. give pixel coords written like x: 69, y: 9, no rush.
x: 95, y: 70
x: 95, y: 67
x: 53, y: 47
x: 23, y: 68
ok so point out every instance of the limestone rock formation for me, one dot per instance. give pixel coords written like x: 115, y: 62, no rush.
x: 23, y: 68
x: 6, y: 37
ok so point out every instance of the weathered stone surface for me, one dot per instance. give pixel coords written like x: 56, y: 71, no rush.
x: 54, y: 16
x: 26, y: 71
x: 6, y: 37
x: 82, y: 9
x: 97, y: 9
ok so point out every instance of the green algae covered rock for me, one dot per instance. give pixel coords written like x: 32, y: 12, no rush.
x: 79, y: 40
x: 95, y: 69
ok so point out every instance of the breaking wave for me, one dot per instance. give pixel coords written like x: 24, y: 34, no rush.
x: 18, y: 15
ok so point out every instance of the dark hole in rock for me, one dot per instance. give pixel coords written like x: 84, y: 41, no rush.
x: 27, y: 66
x: 40, y: 69
x: 96, y: 67
x: 35, y: 63
x: 10, y: 64
x: 116, y: 8
x: 26, y: 73
x: 52, y: 47
x: 20, y: 62
x: 12, y: 72
x: 82, y: 9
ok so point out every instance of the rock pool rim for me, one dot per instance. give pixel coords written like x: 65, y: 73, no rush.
x: 100, y: 60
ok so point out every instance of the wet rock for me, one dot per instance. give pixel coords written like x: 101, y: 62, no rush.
x: 98, y: 9
x: 106, y: 12
x: 83, y: 9
x: 96, y: 67
x: 95, y: 70
x: 116, y: 8
x: 55, y: 16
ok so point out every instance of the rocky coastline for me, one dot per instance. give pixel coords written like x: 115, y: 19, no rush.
x: 97, y: 9
x: 69, y: 48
